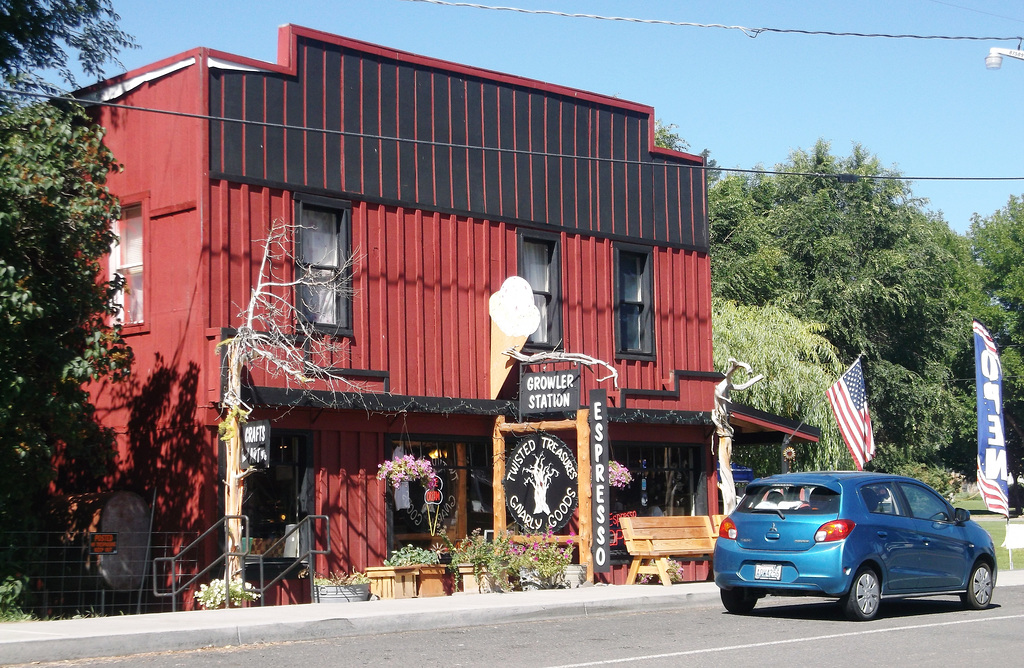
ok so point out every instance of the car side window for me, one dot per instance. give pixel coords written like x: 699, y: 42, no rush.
x: 925, y: 504
x: 880, y: 498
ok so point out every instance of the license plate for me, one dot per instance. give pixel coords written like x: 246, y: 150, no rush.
x: 767, y: 571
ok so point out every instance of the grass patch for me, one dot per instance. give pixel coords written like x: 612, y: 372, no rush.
x: 995, y: 525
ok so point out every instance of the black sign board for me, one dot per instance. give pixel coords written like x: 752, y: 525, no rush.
x: 549, y: 392
x: 600, y: 547
x: 103, y: 543
x: 255, y: 443
x: 541, y: 479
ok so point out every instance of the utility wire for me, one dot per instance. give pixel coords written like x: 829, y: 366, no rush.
x: 844, y: 178
x: 749, y: 32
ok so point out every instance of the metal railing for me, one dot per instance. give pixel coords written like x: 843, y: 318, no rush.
x: 171, y: 565
x: 307, y: 525
x: 173, y: 562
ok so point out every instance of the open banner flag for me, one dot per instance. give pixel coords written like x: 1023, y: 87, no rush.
x: 993, y: 475
x: 850, y: 404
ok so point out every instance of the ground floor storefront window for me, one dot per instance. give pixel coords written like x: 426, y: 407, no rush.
x: 464, y: 478
x: 667, y: 480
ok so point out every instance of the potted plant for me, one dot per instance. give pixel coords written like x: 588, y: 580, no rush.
x: 422, y: 567
x: 481, y: 565
x: 541, y: 561
x: 618, y: 475
x: 341, y: 587
x: 212, y: 596
x: 405, y: 469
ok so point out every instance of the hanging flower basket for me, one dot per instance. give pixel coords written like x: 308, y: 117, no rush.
x: 618, y: 475
x: 405, y: 469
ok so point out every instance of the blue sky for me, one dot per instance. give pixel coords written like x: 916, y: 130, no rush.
x: 928, y: 108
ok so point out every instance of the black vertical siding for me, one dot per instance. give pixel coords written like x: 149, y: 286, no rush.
x: 457, y: 136
x: 406, y: 132
x: 332, y: 119
x: 274, y: 153
x: 406, y: 101
x: 351, y: 111
x: 389, y: 165
x: 370, y: 125
x: 442, y: 163
x: 315, y: 117
x: 232, y: 132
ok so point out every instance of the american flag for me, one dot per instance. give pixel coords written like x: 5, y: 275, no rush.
x: 980, y: 330
x: 850, y: 404
x: 995, y: 497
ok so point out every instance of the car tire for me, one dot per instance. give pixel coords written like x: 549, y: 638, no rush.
x: 979, y: 587
x: 738, y: 601
x: 860, y: 604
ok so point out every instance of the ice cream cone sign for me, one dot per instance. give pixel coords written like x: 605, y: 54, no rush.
x: 514, y: 316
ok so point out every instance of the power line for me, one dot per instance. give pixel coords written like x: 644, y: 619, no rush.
x: 749, y: 32
x: 843, y: 178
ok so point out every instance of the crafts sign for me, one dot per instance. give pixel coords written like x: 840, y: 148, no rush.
x: 255, y: 443
x: 541, y: 479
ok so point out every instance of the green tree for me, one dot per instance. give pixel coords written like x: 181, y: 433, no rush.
x: 36, y: 36
x: 798, y: 364
x: 55, y: 305
x: 841, y: 241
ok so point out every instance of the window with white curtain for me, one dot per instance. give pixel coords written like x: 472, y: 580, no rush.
x: 323, y: 231
x: 127, y: 260
x: 539, y: 265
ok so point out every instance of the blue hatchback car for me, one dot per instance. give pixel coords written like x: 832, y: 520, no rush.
x: 860, y: 537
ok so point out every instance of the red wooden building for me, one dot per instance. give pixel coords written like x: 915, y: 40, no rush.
x: 440, y: 181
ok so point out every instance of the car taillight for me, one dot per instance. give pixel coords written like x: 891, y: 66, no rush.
x: 727, y: 530
x: 833, y: 531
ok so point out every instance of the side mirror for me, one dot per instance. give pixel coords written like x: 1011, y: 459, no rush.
x: 961, y: 515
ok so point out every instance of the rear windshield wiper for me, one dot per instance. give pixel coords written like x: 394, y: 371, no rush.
x: 777, y: 511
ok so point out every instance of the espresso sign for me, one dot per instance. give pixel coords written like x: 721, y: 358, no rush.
x: 600, y: 548
x: 541, y: 480
x: 549, y: 392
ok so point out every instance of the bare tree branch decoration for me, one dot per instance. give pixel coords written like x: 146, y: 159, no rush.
x: 576, y: 358
x: 278, y: 334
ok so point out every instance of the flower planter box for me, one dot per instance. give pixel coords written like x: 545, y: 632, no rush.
x: 435, y: 581
x: 471, y: 584
x: 388, y: 582
x: 341, y: 593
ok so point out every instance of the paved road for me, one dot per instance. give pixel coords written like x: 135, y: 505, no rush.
x: 792, y: 632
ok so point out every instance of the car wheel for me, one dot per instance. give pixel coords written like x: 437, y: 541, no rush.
x: 738, y: 601
x: 979, y: 587
x: 861, y: 602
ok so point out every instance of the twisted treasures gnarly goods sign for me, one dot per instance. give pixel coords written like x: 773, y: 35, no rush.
x: 541, y: 483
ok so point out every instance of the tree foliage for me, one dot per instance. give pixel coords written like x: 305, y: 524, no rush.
x: 55, y: 214
x: 37, y: 35
x: 798, y: 364
x: 841, y: 241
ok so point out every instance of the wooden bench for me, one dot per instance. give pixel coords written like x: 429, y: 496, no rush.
x: 652, y: 541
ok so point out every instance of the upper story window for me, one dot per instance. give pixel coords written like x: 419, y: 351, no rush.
x: 126, y: 259
x: 539, y: 265
x: 323, y: 237
x: 634, y: 303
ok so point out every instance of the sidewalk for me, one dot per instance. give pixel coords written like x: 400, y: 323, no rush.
x: 24, y: 642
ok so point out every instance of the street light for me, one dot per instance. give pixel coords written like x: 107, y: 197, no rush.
x: 994, y: 59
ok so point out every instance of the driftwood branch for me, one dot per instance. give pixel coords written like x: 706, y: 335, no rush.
x: 575, y: 358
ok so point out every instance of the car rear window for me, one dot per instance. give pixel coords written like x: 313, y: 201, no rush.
x: 798, y: 499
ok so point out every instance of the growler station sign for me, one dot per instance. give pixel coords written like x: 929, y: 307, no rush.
x: 549, y: 392
x: 541, y: 483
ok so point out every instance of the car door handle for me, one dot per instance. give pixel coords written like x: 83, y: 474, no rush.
x: 883, y: 534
